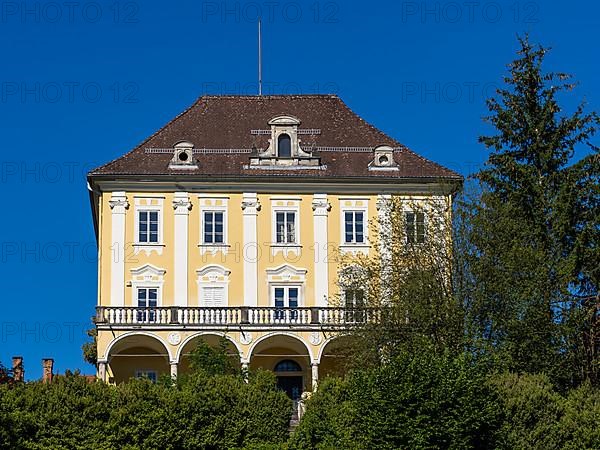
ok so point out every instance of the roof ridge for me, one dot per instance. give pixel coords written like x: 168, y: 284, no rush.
x: 256, y: 96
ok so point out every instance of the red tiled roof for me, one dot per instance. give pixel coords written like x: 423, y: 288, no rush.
x: 226, y: 122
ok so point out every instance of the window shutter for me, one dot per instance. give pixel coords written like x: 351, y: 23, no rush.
x: 214, y: 296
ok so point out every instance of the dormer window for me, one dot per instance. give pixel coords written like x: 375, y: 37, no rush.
x: 284, y: 146
x: 183, y: 153
x: 383, y: 159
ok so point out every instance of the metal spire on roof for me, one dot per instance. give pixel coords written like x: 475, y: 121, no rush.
x: 259, y: 57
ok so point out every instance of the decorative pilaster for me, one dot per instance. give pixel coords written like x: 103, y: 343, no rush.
x: 250, y: 252
x: 315, y: 375
x: 245, y: 370
x: 173, y: 370
x: 384, y: 204
x: 102, y: 371
x: 321, y: 208
x: 182, y: 207
x: 119, y: 205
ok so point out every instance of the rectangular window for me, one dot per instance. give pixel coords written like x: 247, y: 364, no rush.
x: 147, y: 304
x: 285, y: 227
x: 286, y: 302
x: 354, y: 227
x: 415, y: 227
x: 213, y: 227
x: 355, y: 303
x: 213, y: 297
x: 148, y: 227
x: 150, y: 374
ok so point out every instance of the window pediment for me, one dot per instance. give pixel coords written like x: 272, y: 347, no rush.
x: 148, y: 272
x: 286, y: 272
x: 284, y: 120
x: 284, y: 148
x: 213, y: 271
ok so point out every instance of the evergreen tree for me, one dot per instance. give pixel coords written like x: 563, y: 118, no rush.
x: 534, y: 234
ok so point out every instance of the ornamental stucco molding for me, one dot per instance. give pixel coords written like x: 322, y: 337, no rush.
x: 118, y: 203
x: 182, y: 204
x: 251, y: 205
x: 321, y: 206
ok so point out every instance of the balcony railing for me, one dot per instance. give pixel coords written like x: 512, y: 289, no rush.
x: 235, y: 316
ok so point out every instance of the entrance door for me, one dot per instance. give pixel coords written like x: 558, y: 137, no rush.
x: 289, y: 378
x: 291, y: 385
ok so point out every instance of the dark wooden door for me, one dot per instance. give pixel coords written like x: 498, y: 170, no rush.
x: 292, y: 386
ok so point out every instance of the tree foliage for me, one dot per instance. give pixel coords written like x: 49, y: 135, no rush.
x: 424, y: 400
x: 539, y: 417
x: 533, y: 232
x: 90, y: 349
x: 213, y: 361
x: 406, y: 285
x: 198, y: 411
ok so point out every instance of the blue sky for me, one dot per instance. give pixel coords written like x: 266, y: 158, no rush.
x: 83, y: 82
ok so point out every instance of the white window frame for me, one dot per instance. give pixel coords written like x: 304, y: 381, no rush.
x: 345, y: 292
x: 285, y: 247
x: 286, y: 276
x: 141, y: 205
x: 425, y: 226
x: 147, y: 310
x: 218, y: 277
x: 208, y: 287
x: 142, y: 373
x: 354, y: 247
x: 354, y: 233
x: 286, y: 287
x: 147, y: 277
x: 213, y: 210
x: 147, y: 287
x: 285, y: 211
x: 213, y: 248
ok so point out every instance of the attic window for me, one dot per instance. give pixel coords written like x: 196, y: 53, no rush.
x: 183, y: 153
x: 284, y: 145
x: 383, y: 159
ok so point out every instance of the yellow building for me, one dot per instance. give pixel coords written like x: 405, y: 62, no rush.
x: 227, y: 222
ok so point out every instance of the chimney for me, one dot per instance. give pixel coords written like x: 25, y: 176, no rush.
x: 17, y: 368
x: 47, y: 367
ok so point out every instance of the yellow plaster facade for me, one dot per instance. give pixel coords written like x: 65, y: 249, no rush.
x: 236, y: 230
x: 134, y: 341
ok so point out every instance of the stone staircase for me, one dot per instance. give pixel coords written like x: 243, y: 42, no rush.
x: 295, y: 419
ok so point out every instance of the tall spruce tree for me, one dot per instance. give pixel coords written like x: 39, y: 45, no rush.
x: 534, y: 233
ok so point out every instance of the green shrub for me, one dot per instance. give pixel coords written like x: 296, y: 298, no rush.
x: 414, y: 401
x: 538, y: 417
x: 200, y: 411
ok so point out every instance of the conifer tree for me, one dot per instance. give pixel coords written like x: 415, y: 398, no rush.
x: 534, y: 233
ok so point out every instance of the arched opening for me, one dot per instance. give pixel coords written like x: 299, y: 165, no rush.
x: 284, y: 146
x: 335, y: 357
x: 215, y: 341
x: 137, y: 356
x: 288, y: 357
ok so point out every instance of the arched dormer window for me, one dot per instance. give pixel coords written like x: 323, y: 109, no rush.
x: 284, y: 146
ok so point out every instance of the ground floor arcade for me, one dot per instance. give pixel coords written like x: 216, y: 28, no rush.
x: 298, y: 358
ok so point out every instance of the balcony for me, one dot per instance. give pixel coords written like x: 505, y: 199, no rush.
x: 234, y: 317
